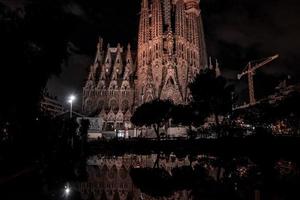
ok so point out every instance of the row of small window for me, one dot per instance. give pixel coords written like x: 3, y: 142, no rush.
x: 109, y: 92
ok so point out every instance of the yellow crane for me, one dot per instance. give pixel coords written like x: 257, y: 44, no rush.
x: 250, y: 69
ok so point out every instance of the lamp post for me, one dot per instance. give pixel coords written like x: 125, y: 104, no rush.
x: 70, y: 100
x: 67, y: 190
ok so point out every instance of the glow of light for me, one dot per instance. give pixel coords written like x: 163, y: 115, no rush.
x: 67, y: 190
x: 71, y: 98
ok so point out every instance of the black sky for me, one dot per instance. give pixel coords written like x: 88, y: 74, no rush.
x: 236, y: 31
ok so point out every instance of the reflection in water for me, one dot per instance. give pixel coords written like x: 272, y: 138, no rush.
x: 171, y: 177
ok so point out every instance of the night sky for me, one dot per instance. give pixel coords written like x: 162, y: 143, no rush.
x: 236, y: 31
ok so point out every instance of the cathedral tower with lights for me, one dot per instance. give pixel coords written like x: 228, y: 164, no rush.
x: 171, y: 51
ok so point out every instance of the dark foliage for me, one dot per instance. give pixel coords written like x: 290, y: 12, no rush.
x: 155, y: 113
x: 266, y: 113
x: 33, y: 46
x: 187, y: 115
x: 159, y: 182
x: 212, y: 94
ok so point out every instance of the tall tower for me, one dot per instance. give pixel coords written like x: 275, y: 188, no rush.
x: 171, y: 49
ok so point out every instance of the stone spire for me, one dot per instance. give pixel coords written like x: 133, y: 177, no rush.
x: 157, y: 23
x: 129, y: 55
x: 180, y: 19
x: 149, y: 93
x: 167, y: 14
x: 144, y: 23
x: 108, y: 61
x: 129, y: 62
x: 117, y: 69
x: 177, y: 39
x: 145, y: 4
x: 91, y: 76
x: 217, y: 69
x: 128, y: 70
x: 210, y: 64
x: 202, y: 44
x: 98, y: 57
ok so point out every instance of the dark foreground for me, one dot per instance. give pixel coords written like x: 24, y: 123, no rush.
x: 252, y: 146
x: 253, y: 168
x: 228, y: 168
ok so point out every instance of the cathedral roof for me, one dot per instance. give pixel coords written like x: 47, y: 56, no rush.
x: 113, y: 64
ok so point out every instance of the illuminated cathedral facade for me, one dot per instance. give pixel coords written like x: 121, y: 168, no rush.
x: 171, y: 51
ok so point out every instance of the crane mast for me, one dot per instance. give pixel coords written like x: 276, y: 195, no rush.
x: 250, y: 71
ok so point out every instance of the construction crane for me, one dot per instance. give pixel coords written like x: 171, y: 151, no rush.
x: 250, y: 69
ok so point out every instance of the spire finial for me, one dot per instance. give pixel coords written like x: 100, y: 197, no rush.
x: 118, y: 46
x: 210, y: 63
x: 100, y: 43
x: 218, y: 71
x: 145, y: 4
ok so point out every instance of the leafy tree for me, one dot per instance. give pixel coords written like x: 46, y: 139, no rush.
x: 34, y: 44
x: 265, y: 113
x: 155, y: 113
x: 212, y: 93
x: 187, y: 115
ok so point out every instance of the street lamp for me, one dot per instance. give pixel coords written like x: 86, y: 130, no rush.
x: 67, y: 190
x: 70, y: 100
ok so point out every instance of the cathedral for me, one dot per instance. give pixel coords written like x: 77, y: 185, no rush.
x: 171, y: 51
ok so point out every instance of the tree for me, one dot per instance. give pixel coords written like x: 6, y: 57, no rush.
x: 212, y: 93
x: 155, y: 113
x: 187, y: 115
x: 265, y: 113
x: 34, y: 44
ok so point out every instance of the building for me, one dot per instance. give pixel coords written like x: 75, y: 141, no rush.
x: 52, y: 106
x: 283, y: 90
x: 171, y: 51
x: 109, y: 89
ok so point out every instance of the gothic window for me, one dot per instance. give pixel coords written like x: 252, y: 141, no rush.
x: 125, y: 105
x: 107, y: 61
x: 170, y: 82
x: 113, y: 172
x: 106, y: 107
x: 100, y: 105
x: 123, y: 173
x: 88, y: 103
x: 104, y: 170
x: 97, y: 171
x: 114, y: 105
x: 149, y: 98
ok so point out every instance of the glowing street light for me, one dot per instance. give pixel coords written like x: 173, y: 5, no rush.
x: 70, y: 101
x: 67, y: 190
